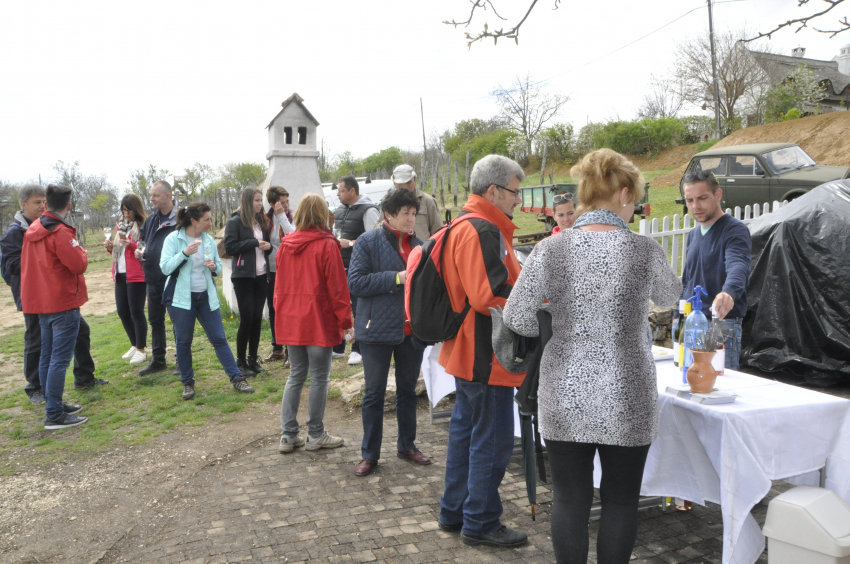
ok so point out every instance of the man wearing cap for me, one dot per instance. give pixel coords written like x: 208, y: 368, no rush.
x: 428, y: 219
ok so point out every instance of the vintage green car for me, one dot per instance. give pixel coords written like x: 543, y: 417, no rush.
x: 762, y: 173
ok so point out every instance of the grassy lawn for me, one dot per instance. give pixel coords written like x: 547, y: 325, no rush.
x: 130, y: 410
x: 662, y: 201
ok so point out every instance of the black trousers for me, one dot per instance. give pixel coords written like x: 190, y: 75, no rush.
x: 270, y: 304
x: 250, y: 297
x: 83, y: 362
x: 130, y: 303
x: 572, y: 480
x: 156, y: 317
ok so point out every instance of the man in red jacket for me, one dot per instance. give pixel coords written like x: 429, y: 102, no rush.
x: 53, y: 286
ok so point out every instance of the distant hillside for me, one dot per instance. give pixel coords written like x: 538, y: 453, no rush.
x: 826, y: 138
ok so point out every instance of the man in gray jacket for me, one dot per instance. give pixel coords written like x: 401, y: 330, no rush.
x: 428, y: 219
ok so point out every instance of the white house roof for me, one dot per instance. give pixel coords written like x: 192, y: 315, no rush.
x: 298, y: 100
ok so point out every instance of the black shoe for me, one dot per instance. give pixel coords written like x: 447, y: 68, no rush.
x: 36, y: 398
x: 92, y: 384
x: 64, y: 422
x: 71, y: 409
x: 501, y: 537
x: 254, y: 365
x: 244, y: 368
x: 449, y: 528
x: 154, y: 366
x: 188, y: 391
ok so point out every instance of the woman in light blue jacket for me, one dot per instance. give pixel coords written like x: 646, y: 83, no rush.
x: 190, y: 260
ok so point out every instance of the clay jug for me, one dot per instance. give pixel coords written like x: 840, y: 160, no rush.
x: 701, y: 374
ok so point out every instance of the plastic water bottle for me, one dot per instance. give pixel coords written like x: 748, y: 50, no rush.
x: 696, y: 327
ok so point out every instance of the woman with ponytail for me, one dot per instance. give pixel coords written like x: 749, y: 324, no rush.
x: 190, y: 260
x: 246, y: 239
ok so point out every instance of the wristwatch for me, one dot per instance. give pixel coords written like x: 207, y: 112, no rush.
x: 351, y: 243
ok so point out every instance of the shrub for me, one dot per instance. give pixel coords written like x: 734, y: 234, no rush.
x: 694, y: 127
x: 643, y: 137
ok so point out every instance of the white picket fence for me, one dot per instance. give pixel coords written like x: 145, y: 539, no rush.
x: 674, y: 238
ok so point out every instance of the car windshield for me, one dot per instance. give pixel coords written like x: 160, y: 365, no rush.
x: 787, y: 159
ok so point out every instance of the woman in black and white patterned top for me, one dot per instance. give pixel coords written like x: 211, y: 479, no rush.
x: 597, y: 375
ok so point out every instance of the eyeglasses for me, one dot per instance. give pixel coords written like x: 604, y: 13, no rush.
x: 561, y: 198
x: 699, y: 177
x: 514, y: 192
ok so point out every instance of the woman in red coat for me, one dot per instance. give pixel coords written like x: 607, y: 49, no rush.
x: 312, y: 312
x: 129, y: 278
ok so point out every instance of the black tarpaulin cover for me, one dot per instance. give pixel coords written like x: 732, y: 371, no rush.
x: 798, y: 316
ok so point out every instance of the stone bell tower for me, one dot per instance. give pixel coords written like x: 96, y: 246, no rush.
x: 293, y: 158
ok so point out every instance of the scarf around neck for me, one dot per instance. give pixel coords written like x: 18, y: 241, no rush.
x: 603, y: 216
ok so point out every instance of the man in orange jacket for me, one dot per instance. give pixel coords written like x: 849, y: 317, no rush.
x: 53, y: 286
x: 480, y: 267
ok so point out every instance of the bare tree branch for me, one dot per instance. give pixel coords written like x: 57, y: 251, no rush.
x: 526, y: 107
x: 845, y: 25
x: 804, y: 21
x: 512, y: 33
x: 663, y: 99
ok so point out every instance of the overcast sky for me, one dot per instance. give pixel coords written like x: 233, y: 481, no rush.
x: 119, y: 85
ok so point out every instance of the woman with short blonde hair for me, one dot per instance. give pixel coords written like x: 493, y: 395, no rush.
x: 312, y: 312
x: 598, y: 388
x: 601, y: 174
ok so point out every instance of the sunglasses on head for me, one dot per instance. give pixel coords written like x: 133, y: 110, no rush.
x: 698, y: 177
x: 561, y: 198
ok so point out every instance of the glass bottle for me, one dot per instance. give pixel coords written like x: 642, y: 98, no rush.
x: 717, y: 342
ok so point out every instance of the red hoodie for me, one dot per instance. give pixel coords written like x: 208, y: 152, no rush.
x: 311, y: 300
x: 52, y: 267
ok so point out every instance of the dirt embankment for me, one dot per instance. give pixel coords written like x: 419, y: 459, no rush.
x: 826, y: 138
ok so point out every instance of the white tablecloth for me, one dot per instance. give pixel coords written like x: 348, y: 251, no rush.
x: 728, y: 454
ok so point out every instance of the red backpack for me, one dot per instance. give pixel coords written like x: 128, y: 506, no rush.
x: 426, y: 298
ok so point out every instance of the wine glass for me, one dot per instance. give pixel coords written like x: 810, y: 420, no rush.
x: 107, y: 232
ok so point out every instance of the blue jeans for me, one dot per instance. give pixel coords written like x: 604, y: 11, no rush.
x: 58, y: 336
x: 184, y: 329
x: 481, y: 439
x: 376, y: 367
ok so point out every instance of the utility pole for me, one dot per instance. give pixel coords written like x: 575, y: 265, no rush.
x: 714, y: 73
x: 422, y: 111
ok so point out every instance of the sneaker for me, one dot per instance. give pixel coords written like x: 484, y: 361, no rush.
x: 176, y: 371
x: 288, y: 444
x: 354, y: 358
x: 502, y: 537
x: 188, y: 391
x: 64, y: 422
x: 129, y: 354
x: 323, y: 441
x: 337, y: 356
x: 71, y: 409
x: 36, y: 398
x: 154, y: 366
x: 242, y: 386
x: 138, y: 358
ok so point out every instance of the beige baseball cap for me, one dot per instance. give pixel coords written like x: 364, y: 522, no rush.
x: 403, y: 174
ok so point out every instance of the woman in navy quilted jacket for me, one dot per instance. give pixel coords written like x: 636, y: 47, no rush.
x: 376, y: 276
